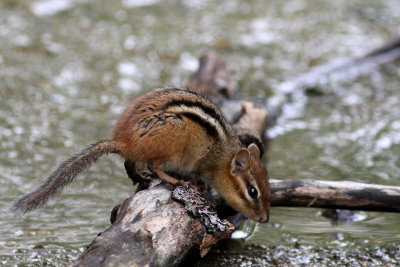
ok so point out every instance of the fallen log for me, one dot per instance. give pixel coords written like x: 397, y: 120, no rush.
x: 334, y: 195
x: 153, y: 227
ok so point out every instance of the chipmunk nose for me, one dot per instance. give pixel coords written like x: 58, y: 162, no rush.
x: 263, y: 219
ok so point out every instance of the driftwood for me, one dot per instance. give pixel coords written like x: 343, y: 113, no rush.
x: 160, y: 225
x: 335, y: 195
x: 152, y: 228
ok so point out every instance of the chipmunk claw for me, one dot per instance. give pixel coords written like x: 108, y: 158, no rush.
x: 186, y: 184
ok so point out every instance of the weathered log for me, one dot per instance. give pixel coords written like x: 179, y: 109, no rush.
x: 153, y: 229
x: 335, y: 194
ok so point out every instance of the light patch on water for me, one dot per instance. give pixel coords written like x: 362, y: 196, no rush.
x: 195, y: 3
x: 117, y: 110
x: 281, y: 129
x: 38, y: 158
x: 294, y: 7
x: 130, y: 42
x: 260, y: 33
x: 65, y: 77
x: 50, y: 7
x: 359, y: 216
x: 69, y: 76
x: 22, y: 40
x: 396, y: 125
x: 138, y: 3
x: 188, y: 62
x: 288, y: 120
x: 59, y: 99
x: 4, y: 132
x: 18, y: 130
x: 50, y: 45
x: 239, y: 234
x: 383, y: 143
x: 352, y: 99
x: 12, y: 154
x: 128, y: 85
x: 127, y: 69
x: 68, y: 143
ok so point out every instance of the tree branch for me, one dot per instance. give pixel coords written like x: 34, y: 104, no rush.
x: 337, y: 195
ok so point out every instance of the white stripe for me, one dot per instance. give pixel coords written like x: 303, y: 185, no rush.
x: 199, y: 112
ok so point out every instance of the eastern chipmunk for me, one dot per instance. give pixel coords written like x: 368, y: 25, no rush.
x: 174, y: 130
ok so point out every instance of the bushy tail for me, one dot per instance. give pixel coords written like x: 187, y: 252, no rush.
x: 64, y: 175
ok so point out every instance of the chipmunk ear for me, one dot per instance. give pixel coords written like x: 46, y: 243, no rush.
x: 240, y: 161
x: 254, y: 150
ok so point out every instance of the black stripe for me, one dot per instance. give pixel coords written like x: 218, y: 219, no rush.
x: 208, y: 127
x: 147, y: 124
x: 238, y: 189
x: 210, y: 111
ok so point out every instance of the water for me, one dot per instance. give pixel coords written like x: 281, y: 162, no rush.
x: 68, y: 68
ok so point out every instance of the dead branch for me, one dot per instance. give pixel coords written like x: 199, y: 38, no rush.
x: 334, y: 194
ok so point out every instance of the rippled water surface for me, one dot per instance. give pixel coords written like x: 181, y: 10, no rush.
x: 68, y: 68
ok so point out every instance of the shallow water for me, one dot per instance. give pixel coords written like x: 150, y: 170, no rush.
x: 68, y: 68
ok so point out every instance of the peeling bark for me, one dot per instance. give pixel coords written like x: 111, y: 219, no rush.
x: 150, y: 229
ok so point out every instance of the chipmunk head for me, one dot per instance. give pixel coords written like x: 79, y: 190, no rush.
x: 247, y: 190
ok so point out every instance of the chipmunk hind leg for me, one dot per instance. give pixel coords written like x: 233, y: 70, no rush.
x: 167, y: 178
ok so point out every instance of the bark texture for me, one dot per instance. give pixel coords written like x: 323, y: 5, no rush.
x: 151, y: 228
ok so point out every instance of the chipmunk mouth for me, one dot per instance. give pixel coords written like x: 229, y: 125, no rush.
x: 263, y: 219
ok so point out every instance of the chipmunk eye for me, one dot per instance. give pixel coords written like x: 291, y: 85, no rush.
x: 253, y: 193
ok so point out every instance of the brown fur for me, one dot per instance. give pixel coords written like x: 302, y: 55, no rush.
x: 233, y: 187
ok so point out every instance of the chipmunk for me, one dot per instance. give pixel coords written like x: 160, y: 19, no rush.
x: 174, y: 130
